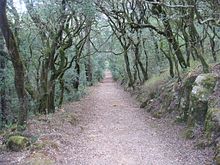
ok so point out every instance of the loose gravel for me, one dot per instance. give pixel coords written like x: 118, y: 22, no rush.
x: 117, y: 132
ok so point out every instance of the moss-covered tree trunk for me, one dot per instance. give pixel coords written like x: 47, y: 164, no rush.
x: 127, y: 66
x: 62, y: 89
x: 158, y: 10
x: 88, y: 66
x: 43, y: 94
x: 46, y: 98
x: 195, y: 40
x: 137, y: 58
x: 172, y: 40
x: 77, y: 79
x: 3, y: 104
x: 16, y: 62
x: 187, y: 46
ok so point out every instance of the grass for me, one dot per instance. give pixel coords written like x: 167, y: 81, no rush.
x: 157, y: 79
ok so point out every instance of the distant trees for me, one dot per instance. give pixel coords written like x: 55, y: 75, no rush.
x: 179, y: 30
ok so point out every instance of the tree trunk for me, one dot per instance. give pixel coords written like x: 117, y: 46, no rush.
x: 77, y: 69
x: 51, y: 97
x: 146, y: 58
x: 195, y: 41
x: 62, y: 88
x: 3, y: 103
x: 158, y: 9
x: 127, y: 65
x: 213, y: 44
x: 172, y: 40
x: 43, y: 97
x: 17, y: 64
x: 88, y: 65
x: 137, y: 58
x: 169, y: 58
x: 194, y: 48
x: 188, y: 52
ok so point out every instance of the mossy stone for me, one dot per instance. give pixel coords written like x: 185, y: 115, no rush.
x: 17, y: 143
x: 204, y: 86
x: 212, y: 122
x: 209, y: 125
x: 201, y: 91
x: 209, y: 81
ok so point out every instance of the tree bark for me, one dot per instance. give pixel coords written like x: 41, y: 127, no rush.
x: 195, y: 40
x: 127, y: 65
x: 137, y: 56
x: 77, y: 79
x: 88, y: 66
x: 158, y: 10
x: 16, y: 62
x: 3, y: 103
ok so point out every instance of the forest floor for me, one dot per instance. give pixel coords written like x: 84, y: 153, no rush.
x: 107, y: 127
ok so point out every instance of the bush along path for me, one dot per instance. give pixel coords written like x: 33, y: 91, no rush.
x: 106, y: 127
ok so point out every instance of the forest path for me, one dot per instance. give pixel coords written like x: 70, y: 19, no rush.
x: 115, y: 131
x: 107, y: 127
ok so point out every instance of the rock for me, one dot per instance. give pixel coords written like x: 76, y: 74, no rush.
x: 204, y: 85
x: 212, y: 123
x: 17, y: 143
x: 212, y: 130
x: 185, y: 94
x: 201, y: 91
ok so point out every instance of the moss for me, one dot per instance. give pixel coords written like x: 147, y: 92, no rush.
x: 158, y: 115
x: 209, y: 82
x: 39, y: 159
x: 205, y: 83
x: 188, y: 133
x: 190, y: 122
x: 180, y: 119
x: 38, y: 146
x: 211, y: 125
x: 17, y: 143
x: 201, y: 91
x: 2, y: 133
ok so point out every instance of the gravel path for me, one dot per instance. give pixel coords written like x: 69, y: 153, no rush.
x: 117, y: 132
x: 107, y: 127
